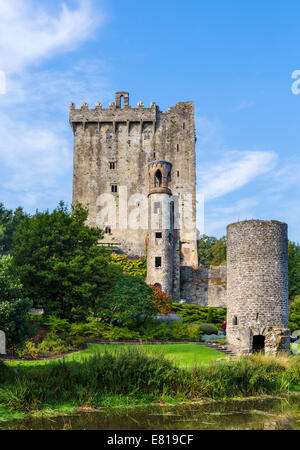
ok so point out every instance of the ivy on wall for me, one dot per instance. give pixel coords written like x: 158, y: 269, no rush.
x: 134, y: 267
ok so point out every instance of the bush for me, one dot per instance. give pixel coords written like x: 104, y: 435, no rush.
x: 200, y: 314
x: 58, y: 325
x: 161, y: 301
x: 129, y: 302
x: 211, y: 338
x: 208, y: 328
x: 14, y: 307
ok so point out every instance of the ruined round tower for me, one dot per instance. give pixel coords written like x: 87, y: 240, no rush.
x: 257, y: 286
x: 161, y: 243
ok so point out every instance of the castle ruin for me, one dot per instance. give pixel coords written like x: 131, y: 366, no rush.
x: 134, y: 168
x: 112, y: 151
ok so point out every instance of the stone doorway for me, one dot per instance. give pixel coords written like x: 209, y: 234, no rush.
x: 258, y: 343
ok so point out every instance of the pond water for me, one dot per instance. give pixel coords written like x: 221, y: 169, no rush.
x: 261, y: 414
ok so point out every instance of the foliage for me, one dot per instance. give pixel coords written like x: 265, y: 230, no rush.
x: 205, y: 244
x: 212, y: 251
x: 171, y: 331
x: 9, y: 220
x: 200, y: 314
x: 52, y: 345
x: 208, y: 328
x: 294, y: 322
x: 134, y: 267
x: 128, y: 302
x: 135, y: 373
x: 161, y: 301
x: 216, y: 338
x: 58, y: 325
x: 14, y: 306
x: 294, y: 269
x: 60, y: 263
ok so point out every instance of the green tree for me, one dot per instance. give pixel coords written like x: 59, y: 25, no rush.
x: 219, y: 251
x: 294, y: 322
x: 205, y: 245
x: 14, y: 307
x: 9, y: 220
x: 294, y: 269
x: 60, y: 263
x: 212, y: 251
x: 128, y: 302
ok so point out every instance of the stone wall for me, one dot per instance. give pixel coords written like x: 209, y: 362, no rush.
x: 205, y: 286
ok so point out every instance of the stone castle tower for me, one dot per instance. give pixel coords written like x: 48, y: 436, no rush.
x: 257, y: 286
x: 163, y: 260
x: 112, y: 151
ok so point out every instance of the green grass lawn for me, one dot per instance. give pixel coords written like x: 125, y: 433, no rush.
x: 185, y: 355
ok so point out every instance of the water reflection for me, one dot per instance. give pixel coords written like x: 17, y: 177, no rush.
x: 263, y: 414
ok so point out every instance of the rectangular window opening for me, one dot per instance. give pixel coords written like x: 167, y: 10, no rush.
x: 158, y: 235
x: 114, y: 188
x: 157, y: 261
x: 156, y: 207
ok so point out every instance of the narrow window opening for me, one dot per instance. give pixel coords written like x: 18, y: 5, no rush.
x: 114, y: 188
x: 183, y: 125
x: 122, y: 101
x: 177, y: 148
x: 257, y: 317
x: 112, y: 165
x: 157, y: 261
x: 158, y: 235
x: 235, y: 320
x: 108, y: 230
x: 154, y: 155
x: 158, y: 178
x: 177, y: 173
x: 156, y: 207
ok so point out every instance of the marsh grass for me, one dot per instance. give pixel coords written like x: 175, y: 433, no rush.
x: 134, y: 374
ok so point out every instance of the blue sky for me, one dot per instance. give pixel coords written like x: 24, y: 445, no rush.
x: 233, y: 59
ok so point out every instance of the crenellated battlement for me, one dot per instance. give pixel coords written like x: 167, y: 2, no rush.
x: 116, y: 112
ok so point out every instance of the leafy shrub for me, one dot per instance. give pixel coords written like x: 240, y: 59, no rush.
x: 211, y: 338
x: 171, y: 331
x: 208, y: 328
x: 161, y: 301
x: 93, y: 329
x: 200, y: 314
x: 53, y: 344
x: 129, y: 302
x: 29, y: 350
x: 58, y: 325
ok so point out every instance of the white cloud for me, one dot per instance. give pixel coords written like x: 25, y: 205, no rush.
x: 32, y: 159
x: 234, y: 170
x: 28, y: 33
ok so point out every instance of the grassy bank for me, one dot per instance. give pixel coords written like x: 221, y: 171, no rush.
x: 185, y: 355
x: 131, y: 375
